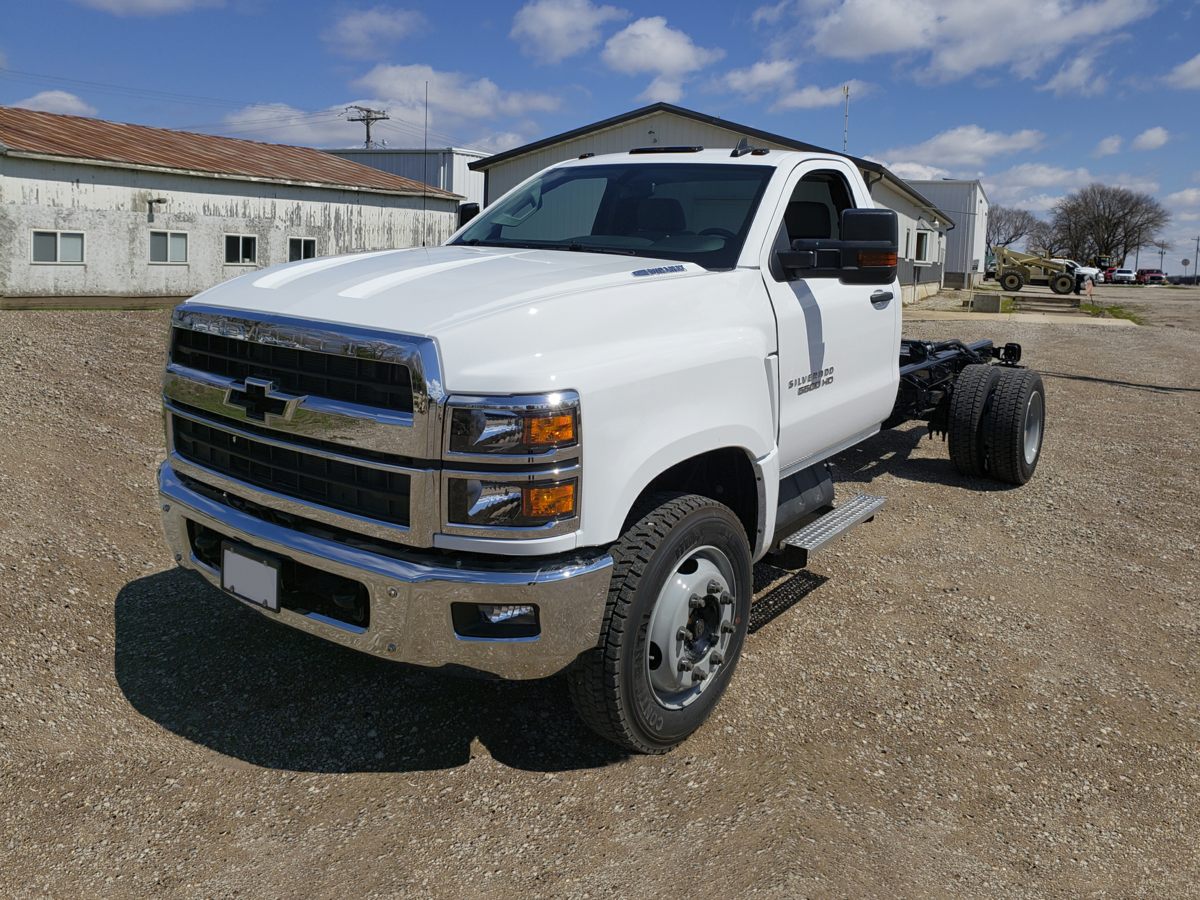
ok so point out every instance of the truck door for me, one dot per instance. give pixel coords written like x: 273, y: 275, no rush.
x: 839, y: 344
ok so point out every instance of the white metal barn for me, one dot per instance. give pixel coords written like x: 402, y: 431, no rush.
x: 923, y: 225
x: 966, y: 245
x: 95, y: 208
x: 448, y: 168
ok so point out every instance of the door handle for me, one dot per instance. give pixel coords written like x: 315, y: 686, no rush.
x: 880, y: 298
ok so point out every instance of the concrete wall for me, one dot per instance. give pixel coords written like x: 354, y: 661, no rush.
x: 667, y: 129
x: 110, y: 206
x: 445, y: 168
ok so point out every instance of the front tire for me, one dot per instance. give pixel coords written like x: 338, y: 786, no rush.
x: 1011, y: 281
x: 676, y: 620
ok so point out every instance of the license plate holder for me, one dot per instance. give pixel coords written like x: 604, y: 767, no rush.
x: 250, y: 575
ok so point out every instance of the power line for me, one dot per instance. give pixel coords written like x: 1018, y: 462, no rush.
x: 367, y: 116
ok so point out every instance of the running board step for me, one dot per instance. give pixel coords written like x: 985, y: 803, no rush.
x: 818, y: 533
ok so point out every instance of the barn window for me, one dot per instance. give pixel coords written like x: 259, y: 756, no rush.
x: 57, y: 247
x: 301, y: 248
x: 241, y: 249
x: 922, y: 254
x: 168, y: 247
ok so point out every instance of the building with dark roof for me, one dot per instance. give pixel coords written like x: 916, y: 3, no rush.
x: 96, y: 208
x: 923, y: 226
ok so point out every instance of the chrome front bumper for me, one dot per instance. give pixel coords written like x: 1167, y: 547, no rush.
x: 410, y: 616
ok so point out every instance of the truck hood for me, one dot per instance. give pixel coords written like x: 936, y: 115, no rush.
x: 434, y: 290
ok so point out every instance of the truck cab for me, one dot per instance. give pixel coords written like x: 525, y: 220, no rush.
x: 560, y: 441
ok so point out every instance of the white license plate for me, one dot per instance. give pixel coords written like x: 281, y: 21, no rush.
x: 250, y: 576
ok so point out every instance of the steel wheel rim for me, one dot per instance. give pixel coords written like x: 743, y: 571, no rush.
x: 688, y: 641
x: 1034, y: 413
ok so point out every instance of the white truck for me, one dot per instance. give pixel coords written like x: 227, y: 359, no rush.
x: 561, y: 441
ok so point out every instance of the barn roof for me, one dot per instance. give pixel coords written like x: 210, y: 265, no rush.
x: 25, y: 131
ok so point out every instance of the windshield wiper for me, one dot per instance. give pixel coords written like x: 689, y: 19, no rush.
x: 587, y: 248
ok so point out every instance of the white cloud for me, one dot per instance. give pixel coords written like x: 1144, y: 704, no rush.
x: 551, y: 30
x: 967, y: 145
x: 1078, y: 76
x: 813, y: 97
x: 650, y: 45
x: 57, y: 102
x: 500, y: 141
x: 281, y: 123
x: 1108, y: 146
x: 767, y: 75
x: 1186, y: 74
x: 1151, y: 138
x: 770, y: 15
x: 958, y: 37
x: 148, y: 7
x: 911, y: 171
x: 367, y: 33
x: 453, y: 96
x: 1186, y: 197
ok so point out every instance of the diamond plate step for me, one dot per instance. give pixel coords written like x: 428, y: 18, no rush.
x: 818, y: 533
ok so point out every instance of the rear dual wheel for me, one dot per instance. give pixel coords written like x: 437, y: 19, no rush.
x: 997, y: 422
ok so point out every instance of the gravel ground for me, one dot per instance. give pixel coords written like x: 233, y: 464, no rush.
x: 984, y: 692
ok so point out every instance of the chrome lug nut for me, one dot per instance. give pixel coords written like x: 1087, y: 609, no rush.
x: 716, y: 657
x: 714, y: 587
x: 726, y: 599
x: 685, y: 665
x: 683, y: 634
x: 727, y: 628
x: 695, y: 602
x: 698, y: 676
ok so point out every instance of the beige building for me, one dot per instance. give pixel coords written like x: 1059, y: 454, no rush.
x: 923, y: 225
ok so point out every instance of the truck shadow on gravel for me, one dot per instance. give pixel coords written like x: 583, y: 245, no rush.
x: 209, y: 670
x: 890, y: 452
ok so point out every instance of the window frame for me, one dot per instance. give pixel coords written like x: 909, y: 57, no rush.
x: 926, y: 259
x: 58, y: 260
x: 301, y: 257
x: 241, y: 237
x: 168, y: 261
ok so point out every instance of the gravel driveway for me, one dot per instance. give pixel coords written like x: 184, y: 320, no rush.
x: 983, y: 692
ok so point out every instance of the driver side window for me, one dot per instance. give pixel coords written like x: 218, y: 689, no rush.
x: 815, y: 208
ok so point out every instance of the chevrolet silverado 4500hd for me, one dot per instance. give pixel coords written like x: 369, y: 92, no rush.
x: 561, y: 440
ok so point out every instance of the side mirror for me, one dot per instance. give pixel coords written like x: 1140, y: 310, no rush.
x: 466, y: 212
x: 866, y: 253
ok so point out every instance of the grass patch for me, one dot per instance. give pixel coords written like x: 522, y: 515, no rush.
x: 1111, y: 312
x: 1008, y: 305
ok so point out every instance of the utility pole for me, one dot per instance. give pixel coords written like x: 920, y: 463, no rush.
x: 1196, y: 262
x: 367, y: 116
x: 846, y: 118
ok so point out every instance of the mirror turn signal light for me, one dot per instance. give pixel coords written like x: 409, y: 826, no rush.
x: 554, y: 501
x: 876, y: 258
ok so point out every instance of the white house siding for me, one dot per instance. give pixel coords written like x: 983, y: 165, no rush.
x: 444, y: 167
x: 667, y: 129
x: 919, y: 278
x: 966, y: 245
x: 110, y: 206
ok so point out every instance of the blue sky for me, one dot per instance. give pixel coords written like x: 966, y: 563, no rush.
x: 1037, y: 97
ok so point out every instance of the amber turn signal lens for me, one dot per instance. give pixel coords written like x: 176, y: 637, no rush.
x: 556, y: 501
x: 543, y: 431
x: 875, y: 258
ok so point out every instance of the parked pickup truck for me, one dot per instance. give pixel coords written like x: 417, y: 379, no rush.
x: 562, y: 440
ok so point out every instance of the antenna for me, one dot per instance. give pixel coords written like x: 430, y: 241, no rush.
x: 367, y: 116
x: 846, y: 118
x: 425, y: 174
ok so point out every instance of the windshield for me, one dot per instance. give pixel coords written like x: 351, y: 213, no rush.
x: 692, y: 213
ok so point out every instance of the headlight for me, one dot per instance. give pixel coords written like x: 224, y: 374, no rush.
x: 537, y: 425
x: 477, y: 502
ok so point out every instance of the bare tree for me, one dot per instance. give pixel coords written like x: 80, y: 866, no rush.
x: 1100, y: 220
x: 1006, y: 225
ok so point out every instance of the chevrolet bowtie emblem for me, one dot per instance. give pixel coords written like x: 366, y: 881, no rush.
x: 260, y: 401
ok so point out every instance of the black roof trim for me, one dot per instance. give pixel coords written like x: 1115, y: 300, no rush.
x: 746, y: 130
x: 658, y: 149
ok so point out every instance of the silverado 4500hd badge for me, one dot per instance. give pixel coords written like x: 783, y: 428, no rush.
x: 811, y: 381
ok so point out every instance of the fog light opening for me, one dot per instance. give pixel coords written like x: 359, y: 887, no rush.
x: 495, y: 622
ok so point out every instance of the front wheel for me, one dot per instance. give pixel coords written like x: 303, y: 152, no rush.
x: 677, y: 615
x: 1011, y: 281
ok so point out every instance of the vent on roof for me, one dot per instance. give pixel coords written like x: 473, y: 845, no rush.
x: 666, y: 150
